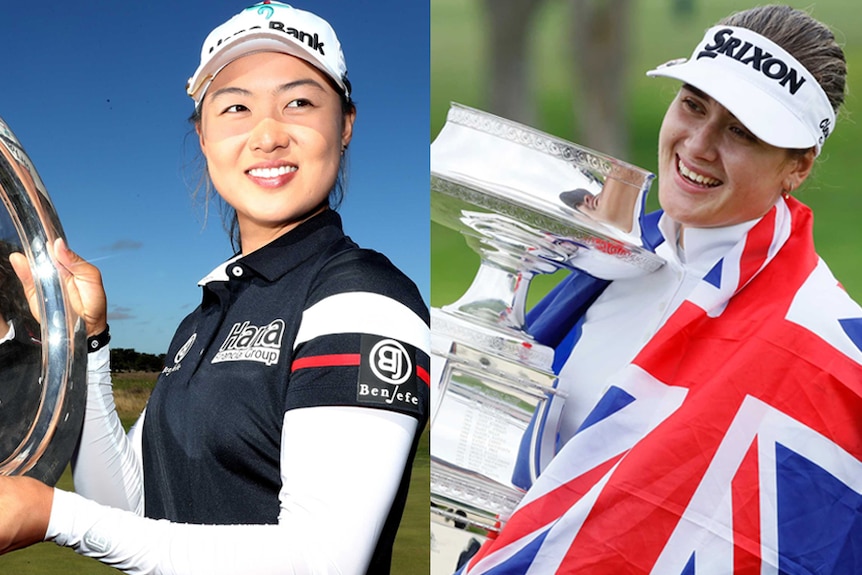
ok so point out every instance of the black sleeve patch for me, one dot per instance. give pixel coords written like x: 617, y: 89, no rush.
x: 387, y: 374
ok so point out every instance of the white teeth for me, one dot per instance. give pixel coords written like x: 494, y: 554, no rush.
x: 698, y: 178
x: 271, y: 172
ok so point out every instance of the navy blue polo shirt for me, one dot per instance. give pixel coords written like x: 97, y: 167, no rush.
x: 20, y: 386
x: 212, y: 433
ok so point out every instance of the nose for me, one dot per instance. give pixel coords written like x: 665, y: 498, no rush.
x: 269, y: 135
x: 702, y: 140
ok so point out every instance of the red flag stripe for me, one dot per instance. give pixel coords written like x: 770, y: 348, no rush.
x: 745, y: 496
x: 756, y: 250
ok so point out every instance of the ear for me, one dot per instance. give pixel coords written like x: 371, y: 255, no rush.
x: 347, y: 129
x: 200, y: 132
x: 800, y: 167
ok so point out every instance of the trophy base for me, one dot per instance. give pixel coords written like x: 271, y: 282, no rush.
x: 485, y: 445
x: 470, y: 498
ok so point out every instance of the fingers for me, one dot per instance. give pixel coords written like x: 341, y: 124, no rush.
x: 22, y: 270
x: 70, y: 262
x: 84, y: 284
x: 82, y: 280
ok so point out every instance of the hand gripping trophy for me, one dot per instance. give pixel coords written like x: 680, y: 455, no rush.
x: 528, y: 203
x: 42, y: 342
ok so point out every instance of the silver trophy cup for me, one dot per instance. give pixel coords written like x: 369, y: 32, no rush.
x: 528, y: 203
x: 42, y: 363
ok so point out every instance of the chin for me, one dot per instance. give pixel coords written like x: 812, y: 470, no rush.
x: 686, y: 215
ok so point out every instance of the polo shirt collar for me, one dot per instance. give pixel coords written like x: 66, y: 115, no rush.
x: 285, y: 252
x: 703, y: 246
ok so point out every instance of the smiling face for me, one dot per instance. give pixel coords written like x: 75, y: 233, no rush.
x: 272, y: 131
x: 713, y: 171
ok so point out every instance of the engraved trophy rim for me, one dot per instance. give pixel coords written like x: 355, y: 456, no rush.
x: 602, y: 244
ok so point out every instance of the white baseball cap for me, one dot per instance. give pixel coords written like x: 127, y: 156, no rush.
x: 766, y: 88
x: 270, y: 27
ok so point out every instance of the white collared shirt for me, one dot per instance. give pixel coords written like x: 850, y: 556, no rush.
x: 10, y: 334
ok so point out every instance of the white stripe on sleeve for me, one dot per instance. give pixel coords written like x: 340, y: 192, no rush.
x: 363, y: 312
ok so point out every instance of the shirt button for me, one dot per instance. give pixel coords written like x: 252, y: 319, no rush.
x: 236, y: 271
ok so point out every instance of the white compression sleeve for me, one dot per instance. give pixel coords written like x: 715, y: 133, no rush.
x: 341, y: 467
x: 105, y: 467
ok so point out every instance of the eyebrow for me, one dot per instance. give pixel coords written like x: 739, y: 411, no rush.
x: 697, y: 91
x: 287, y: 86
x: 297, y: 83
x: 703, y: 95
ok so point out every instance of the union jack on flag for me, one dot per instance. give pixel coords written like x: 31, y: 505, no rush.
x: 731, y: 444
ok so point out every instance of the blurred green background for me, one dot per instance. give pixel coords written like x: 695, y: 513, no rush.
x: 658, y: 32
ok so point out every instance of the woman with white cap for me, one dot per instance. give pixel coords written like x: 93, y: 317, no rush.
x: 710, y: 422
x: 280, y: 435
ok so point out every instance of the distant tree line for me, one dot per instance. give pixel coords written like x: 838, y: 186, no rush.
x: 123, y: 359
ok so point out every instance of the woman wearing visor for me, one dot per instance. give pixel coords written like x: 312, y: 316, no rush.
x: 280, y: 435
x: 711, y: 423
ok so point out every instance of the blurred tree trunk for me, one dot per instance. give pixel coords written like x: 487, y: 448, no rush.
x: 511, y: 87
x: 600, y: 31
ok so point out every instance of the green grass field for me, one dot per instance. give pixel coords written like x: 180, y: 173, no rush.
x: 131, y: 391
x: 459, y: 74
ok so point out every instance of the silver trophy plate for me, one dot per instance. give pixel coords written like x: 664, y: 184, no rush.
x: 42, y: 364
x: 528, y: 203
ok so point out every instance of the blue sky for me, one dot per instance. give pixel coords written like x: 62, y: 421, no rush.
x: 95, y: 93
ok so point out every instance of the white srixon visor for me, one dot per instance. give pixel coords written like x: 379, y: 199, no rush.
x: 766, y: 88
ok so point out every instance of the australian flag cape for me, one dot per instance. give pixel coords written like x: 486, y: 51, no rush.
x: 731, y: 444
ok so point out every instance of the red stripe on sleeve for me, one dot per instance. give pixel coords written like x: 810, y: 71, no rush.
x: 345, y: 360
x: 423, y: 375
x: 332, y: 360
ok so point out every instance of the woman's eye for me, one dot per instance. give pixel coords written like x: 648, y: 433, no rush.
x: 299, y: 103
x: 691, y: 104
x: 235, y: 108
x: 743, y: 133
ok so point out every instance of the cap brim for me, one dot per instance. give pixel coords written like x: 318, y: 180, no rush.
x: 249, y: 44
x: 757, y: 110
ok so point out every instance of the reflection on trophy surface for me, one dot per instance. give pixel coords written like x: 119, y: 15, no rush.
x: 20, y: 358
x: 528, y: 203
x: 42, y: 363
